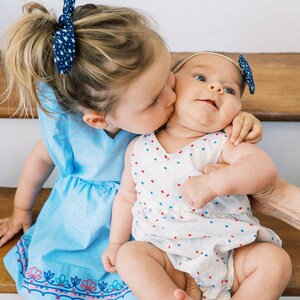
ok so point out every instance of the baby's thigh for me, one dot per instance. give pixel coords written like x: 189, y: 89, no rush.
x: 259, y: 257
x: 146, y: 255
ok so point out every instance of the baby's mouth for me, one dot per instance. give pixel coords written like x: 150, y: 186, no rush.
x: 209, y: 101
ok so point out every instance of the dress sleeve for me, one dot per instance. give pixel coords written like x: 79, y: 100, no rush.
x: 54, y: 127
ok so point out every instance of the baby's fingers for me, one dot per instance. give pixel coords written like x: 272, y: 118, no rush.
x: 108, y: 266
x: 111, y: 269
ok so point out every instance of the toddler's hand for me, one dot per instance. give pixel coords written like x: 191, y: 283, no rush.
x: 109, y: 257
x: 198, y: 191
x: 20, y: 220
x: 245, y: 127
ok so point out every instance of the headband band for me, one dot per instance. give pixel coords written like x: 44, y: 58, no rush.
x: 242, y: 65
x: 64, y: 41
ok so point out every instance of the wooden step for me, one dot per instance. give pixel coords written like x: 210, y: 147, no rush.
x: 277, y: 96
x: 7, y: 285
x: 289, y: 235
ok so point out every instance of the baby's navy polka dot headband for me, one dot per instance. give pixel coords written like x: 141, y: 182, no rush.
x: 242, y: 64
x: 247, y: 73
x: 64, y: 41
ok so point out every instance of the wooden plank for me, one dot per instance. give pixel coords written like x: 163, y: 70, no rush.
x: 277, y: 79
x: 7, y: 106
x: 277, y: 96
x: 7, y: 285
x: 289, y: 235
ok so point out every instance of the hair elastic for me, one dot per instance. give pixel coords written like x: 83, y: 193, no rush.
x: 64, y: 41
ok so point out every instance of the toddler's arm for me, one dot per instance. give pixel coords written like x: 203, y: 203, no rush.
x: 38, y: 167
x: 250, y: 170
x: 245, y: 127
x: 121, y: 215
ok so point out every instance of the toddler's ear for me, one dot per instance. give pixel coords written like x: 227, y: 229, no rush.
x: 95, y: 119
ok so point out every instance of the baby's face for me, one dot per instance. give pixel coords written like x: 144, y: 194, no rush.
x: 208, y: 90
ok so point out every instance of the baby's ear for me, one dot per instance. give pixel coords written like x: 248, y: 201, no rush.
x: 95, y: 119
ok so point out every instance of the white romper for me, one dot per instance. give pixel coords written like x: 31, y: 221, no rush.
x: 197, y: 241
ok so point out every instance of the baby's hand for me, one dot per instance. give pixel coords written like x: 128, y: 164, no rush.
x: 198, y: 191
x: 20, y: 220
x: 245, y: 128
x: 109, y: 257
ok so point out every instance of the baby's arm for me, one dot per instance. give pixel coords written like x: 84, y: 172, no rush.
x: 121, y: 215
x: 249, y: 171
x: 245, y: 127
x: 280, y: 199
x: 38, y: 167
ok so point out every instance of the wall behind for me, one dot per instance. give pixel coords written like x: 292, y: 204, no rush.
x: 281, y: 140
x: 193, y: 25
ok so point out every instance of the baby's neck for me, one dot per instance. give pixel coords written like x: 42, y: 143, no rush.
x: 174, y: 137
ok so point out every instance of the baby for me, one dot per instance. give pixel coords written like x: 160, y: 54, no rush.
x: 184, y: 221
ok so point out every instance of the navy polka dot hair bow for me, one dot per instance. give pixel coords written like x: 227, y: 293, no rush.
x: 247, y: 73
x: 64, y: 42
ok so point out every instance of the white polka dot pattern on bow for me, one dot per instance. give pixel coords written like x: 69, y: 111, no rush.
x: 64, y: 41
x: 247, y: 73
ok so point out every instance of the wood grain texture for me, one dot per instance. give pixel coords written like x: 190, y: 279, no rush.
x: 289, y: 235
x: 7, y: 285
x: 277, y: 78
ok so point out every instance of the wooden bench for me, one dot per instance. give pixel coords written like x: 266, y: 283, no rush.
x: 7, y: 285
x: 277, y: 98
x: 289, y: 235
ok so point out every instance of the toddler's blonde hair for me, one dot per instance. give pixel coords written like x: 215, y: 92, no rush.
x: 114, y: 45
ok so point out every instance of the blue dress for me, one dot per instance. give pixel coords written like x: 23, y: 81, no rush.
x: 59, y: 257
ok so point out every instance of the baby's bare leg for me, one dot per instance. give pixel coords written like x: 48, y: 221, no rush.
x: 262, y: 271
x: 148, y: 272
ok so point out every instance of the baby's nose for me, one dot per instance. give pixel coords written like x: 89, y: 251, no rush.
x: 216, y: 87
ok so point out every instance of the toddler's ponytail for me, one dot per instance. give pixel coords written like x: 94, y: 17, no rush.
x: 114, y: 45
x: 28, y: 55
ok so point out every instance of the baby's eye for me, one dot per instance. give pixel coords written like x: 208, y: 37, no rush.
x: 200, y: 78
x: 229, y: 91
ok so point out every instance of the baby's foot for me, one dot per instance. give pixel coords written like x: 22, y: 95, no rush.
x: 182, y: 295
